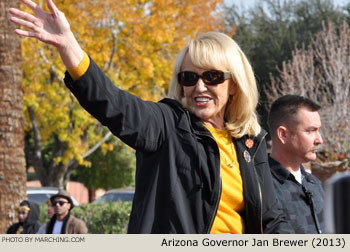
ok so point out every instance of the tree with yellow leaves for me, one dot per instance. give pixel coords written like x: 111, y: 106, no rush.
x: 133, y: 41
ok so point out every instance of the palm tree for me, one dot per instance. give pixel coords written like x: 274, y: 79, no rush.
x: 12, y: 158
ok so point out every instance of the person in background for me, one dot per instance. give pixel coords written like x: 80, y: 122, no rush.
x: 28, y: 216
x: 201, y: 155
x: 63, y: 222
x: 50, y: 213
x: 295, y: 124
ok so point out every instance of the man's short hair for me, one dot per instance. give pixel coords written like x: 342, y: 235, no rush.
x: 284, y: 110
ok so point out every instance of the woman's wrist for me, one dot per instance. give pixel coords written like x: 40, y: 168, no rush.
x: 71, y: 52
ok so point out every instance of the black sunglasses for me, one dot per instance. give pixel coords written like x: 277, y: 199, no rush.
x: 60, y: 202
x: 211, y: 77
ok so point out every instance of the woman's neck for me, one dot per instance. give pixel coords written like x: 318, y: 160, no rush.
x: 215, y: 125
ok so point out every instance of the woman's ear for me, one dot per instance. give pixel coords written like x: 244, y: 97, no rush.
x: 232, y: 88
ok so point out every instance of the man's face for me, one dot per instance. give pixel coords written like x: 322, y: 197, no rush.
x: 61, y: 206
x: 305, y: 139
x: 23, y: 213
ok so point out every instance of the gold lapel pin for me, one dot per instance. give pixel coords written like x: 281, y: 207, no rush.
x: 247, y: 156
x: 249, y: 143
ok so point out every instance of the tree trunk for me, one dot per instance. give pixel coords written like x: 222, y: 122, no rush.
x: 12, y: 159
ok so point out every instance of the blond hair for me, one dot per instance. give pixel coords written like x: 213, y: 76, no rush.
x: 215, y: 50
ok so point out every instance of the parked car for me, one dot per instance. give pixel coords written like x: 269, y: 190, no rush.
x: 114, y: 195
x: 42, y: 194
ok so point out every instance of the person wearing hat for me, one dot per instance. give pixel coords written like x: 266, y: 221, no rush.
x: 63, y: 222
x: 28, y: 215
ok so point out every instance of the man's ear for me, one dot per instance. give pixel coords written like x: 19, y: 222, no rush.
x: 282, y: 134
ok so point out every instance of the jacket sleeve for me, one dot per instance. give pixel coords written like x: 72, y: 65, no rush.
x: 76, y: 226
x: 12, y: 229
x: 138, y: 123
x: 81, y: 227
x: 274, y: 219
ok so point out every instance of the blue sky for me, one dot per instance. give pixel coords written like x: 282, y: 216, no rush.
x: 249, y: 3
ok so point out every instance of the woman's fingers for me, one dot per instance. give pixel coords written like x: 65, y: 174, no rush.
x: 25, y: 20
x: 30, y: 4
x: 21, y: 15
x: 25, y: 33
x: 49, y: 27
x: 33, y: 6
x: 52, y: 7
x: 22, y: 22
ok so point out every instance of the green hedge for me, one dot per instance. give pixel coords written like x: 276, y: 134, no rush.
x: 101, y: 218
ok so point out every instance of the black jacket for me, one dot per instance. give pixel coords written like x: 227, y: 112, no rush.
x: 178, y: 181
x: 302, y: 203
x: 30, y: 226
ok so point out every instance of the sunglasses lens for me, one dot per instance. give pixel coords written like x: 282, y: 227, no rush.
x: 213, y: 77
x: 61, y: 203
x: 187, y: 78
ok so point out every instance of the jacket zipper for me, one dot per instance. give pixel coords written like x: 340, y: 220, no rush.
x: 216, y: 205
x: 220, y: 188
x: 259, y: 186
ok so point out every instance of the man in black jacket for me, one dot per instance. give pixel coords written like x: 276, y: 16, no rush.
x: 28, y: 216
x: 294, y: 126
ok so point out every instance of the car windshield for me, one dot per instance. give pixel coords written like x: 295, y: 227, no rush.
x: 123, y: 197
x: 116, y: 196
x: 40, y: 198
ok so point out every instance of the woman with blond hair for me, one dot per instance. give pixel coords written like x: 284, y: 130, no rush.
x: 201, y: 155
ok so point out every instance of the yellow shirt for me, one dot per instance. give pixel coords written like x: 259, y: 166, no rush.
x: 228, y: 219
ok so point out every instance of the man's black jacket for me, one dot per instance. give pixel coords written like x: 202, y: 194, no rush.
x: 302, y: 203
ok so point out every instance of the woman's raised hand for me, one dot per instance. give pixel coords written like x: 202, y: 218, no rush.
x: 51, y: 28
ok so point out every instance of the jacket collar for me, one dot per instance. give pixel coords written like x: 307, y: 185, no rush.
x: 241, y: 143
x: 186, y: 117
x: 282, y: 174
x: 251, y: 143
x: 198, y: 128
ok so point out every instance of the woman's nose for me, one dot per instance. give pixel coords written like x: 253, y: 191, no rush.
x: 200, y: 85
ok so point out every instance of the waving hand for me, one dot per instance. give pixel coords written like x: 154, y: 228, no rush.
x: 51, y: 28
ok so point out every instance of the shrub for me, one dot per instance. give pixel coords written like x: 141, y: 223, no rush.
x: 43, y: 214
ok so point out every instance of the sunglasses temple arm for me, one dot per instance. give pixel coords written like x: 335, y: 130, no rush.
x: 227, y: 75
